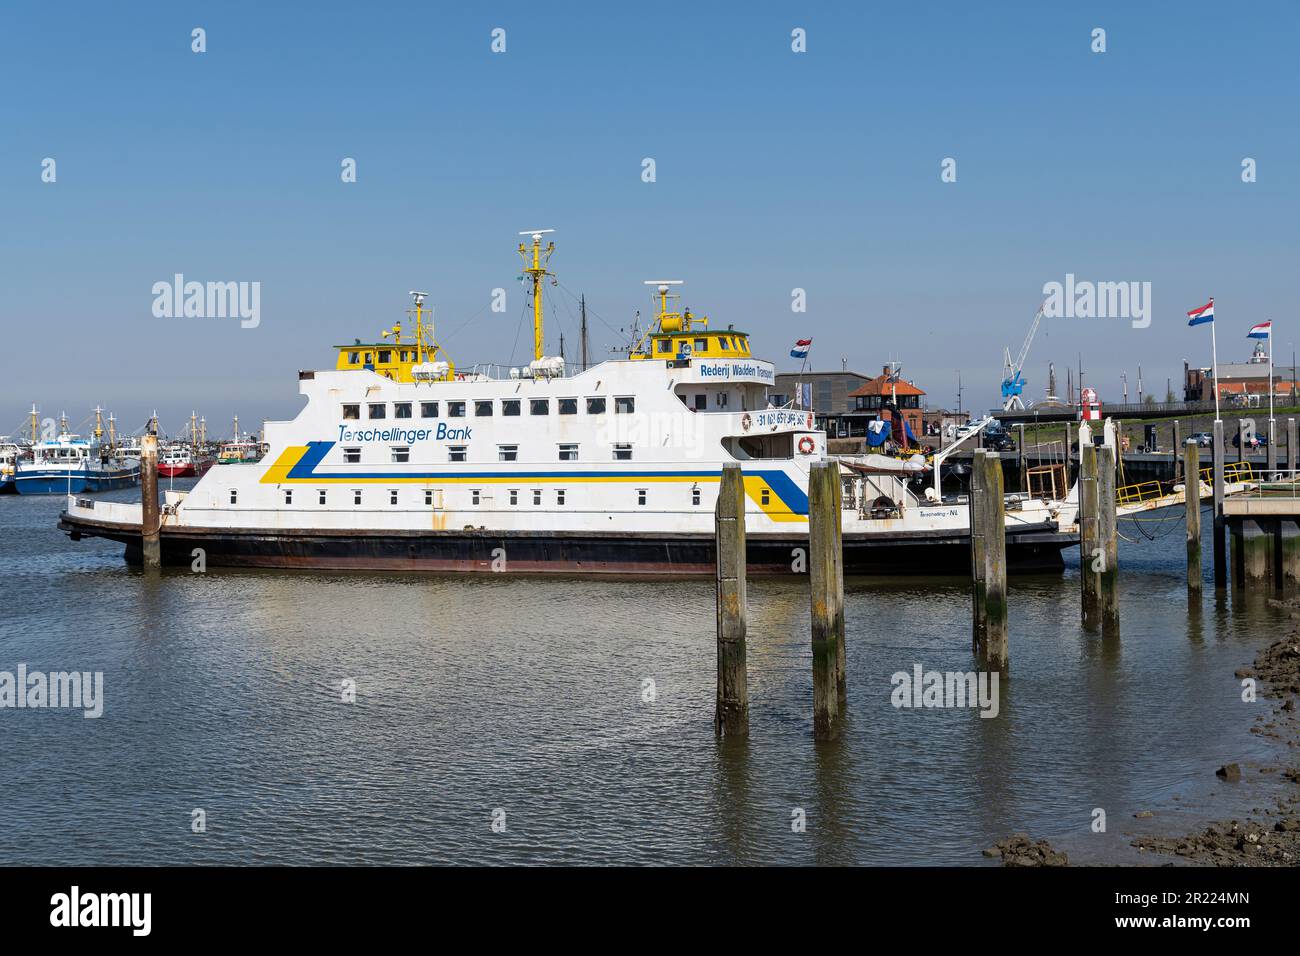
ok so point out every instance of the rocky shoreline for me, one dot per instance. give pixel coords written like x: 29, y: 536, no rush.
x: 1271, y: 836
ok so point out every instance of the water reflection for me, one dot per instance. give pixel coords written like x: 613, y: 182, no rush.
x: 476, y: 693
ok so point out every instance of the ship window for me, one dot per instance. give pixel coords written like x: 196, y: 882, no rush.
x: 378, y: 410
x: 723, y: 342
x: 537, y: 496
x: 385, y: 356
x: 596, y: 406
x: 351, y: 456
x: 665, y: 345
x: 510, y: 407
x: 234, y: 496
x: 455, y: 409
x: 701, y: 402
x: 321, y: 495
x: 356, y: 496
x: 428, y: 409
x: 354, y: 358
x: 473, y: 496
x: 622, y: 452
x: 392, y: 496
x: 568, y: 453
x: 483, y: 409
x: 568, y: 406
x: 428, y: 496
x: 401, y: 454
x: 624, y: 405
x: 695, y: 496
x: 765, y: 497
x: 406, y: 356
x: 514, y: 496
x: 367, y: 358
x: 455, y: 452
x: 559, y: 496
x: 539, y: 406
x: 507, y: 452
x: 351, y: 412
x: 288, y: 496
x: 401, y: 409
x: 640, y: 496
x: 722, y: 399
x: 701, y: 345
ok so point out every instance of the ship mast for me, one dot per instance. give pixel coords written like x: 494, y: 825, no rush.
x: 537, y: 271
x: 36, y: 425
x: 112, y: 432
x: 582, y: 307
x: 194, y: 433
x: 99, y: 423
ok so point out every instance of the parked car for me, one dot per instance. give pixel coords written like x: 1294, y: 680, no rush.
x: 1203, y: 439
x: 997, y: 438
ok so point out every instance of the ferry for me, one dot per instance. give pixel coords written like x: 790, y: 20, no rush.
x: 402, y: 460
x: 72, y: 464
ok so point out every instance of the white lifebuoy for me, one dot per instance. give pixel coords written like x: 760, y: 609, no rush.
x: 806, y: 445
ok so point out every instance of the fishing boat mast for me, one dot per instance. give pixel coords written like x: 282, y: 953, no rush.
x: 537, y: 271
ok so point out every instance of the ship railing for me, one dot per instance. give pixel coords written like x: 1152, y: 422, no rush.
x: 1234, y: 472
x: 1278, y: 483
x: 1142, y: 491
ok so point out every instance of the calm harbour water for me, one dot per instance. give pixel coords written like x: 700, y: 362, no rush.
x: 222, y: 692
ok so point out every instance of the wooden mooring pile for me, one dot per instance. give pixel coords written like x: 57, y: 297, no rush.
x: 1262, y: 522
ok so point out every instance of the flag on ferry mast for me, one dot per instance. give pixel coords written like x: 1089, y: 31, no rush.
x: 800, y: 349
x: 1202, y: 315
x: 1260, y: 331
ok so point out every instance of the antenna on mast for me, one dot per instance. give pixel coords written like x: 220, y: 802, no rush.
x: 537, y: 271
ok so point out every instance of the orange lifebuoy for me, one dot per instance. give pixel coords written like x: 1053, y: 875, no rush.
x: 806, y: 445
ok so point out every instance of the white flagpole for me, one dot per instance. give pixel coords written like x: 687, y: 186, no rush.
x: 1214, y: 357
x: 1270, y: 372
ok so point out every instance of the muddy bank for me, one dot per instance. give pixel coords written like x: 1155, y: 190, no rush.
x: 1019, y: 850
x: 1271, y: 835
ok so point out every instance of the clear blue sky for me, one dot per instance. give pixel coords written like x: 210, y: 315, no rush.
x: 775, y: 170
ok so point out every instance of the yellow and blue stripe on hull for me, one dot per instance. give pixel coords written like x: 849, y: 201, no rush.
x: 300, y: 464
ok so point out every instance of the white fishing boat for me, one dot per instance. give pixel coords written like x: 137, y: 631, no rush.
x: 401, y: 460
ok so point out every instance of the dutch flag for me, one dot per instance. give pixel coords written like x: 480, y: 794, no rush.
x: 1261, y: 331
x: 800, y: 349
x: 1202, y: 315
